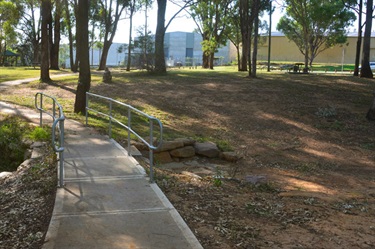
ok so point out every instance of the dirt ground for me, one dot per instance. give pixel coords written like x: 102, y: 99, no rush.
x: 306, y: 177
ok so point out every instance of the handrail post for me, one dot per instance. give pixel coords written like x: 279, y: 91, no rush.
x: 53, y: 110
x: 87, y: 106
x: 110, y: 120
x: 41, y: 111
x: 151, y: 151
x: 129, y: 127
x: 61, y: 154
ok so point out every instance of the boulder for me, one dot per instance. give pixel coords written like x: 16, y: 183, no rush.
x: 37, y: 153
x: 5, y: 174
x: 207, y: 149
x: 186, y: 141
x: 139, y: 145
x: 107, y: 76
x: 170, y: 145
x: 184, y: 152
x: 163, y: 157
x: 230, y: 156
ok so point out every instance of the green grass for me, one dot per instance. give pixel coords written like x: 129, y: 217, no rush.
x: 333, y: 67
x: 17, y: 73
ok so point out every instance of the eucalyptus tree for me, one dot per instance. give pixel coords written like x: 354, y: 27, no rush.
x: 46, y: 8
x: 145, y: 43
x: 233, y: 31
x: 111, y: 11
x: 55, y: 33
x: 96, y: 28
x: 82, y: 29
x: 315, y: 25
x: 9, y: 17
x: 242, y: 30
x: 161, y: 28
x: 357, y: 7
x: 29, y: 27
x: 69, y: 20
x: 365, y: 68
x: 246, y: 25
x: 134, y: 6
x: 211, y: 18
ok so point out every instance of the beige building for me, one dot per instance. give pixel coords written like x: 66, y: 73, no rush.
x: 284, y: 50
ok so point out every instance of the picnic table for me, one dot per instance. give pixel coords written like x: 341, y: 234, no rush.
x: 298, y: 67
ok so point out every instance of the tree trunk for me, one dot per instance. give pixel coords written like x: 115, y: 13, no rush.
x: 103, y: 59
x: 73, y: 67
x: 371, y: 112
x: 130, y: 36
x: 55, y: 46
x: 84, y: 60
x: 212, y: 59
x: 244, y: 23
x: 238, y: 58
x: 365, y: 69
x: 359, y: 39
x: 159, y: 38
x: 205, y: 61
x: 44, y: 65
x: 256, y: 29
x: 36, y: 37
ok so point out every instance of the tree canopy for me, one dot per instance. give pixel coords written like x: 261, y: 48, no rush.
x: 315, y: 25
x: 9, y: 17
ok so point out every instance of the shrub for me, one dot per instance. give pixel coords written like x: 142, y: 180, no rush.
x: 11, y: 145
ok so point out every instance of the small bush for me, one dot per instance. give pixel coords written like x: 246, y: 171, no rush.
x: 11, y: 146
x: 39, y: 134
x: 326, y: 112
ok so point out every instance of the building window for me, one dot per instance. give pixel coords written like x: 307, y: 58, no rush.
x: 189, y: 53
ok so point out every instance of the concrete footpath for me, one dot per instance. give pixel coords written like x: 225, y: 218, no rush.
x: 107, y: 201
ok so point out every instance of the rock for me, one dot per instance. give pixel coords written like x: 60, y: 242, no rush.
x: 139, y: 145
x: 163, y: 157
x: 27, y: 154
x: 186, y: 141
x: 107, y: 76
x: 5, y: 174
x: 27, y: 142
x: 230, y: 156
x: 170, y: 145
x: 134, y: 151
x: 184, y: 152
x: 255, y: 179
x: 25, y: 164
x: 207, y: 149
x: 187, y: 173
x: 37, y: 152
x: 37, y: 144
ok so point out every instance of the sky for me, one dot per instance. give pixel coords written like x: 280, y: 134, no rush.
x: 182, y: 23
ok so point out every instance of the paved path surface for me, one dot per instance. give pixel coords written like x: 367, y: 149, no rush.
x: 107, y: 200
x: 6, y: 84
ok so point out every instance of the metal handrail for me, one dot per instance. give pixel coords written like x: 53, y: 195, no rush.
x: 58, y: 122
x: 130, y: 109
